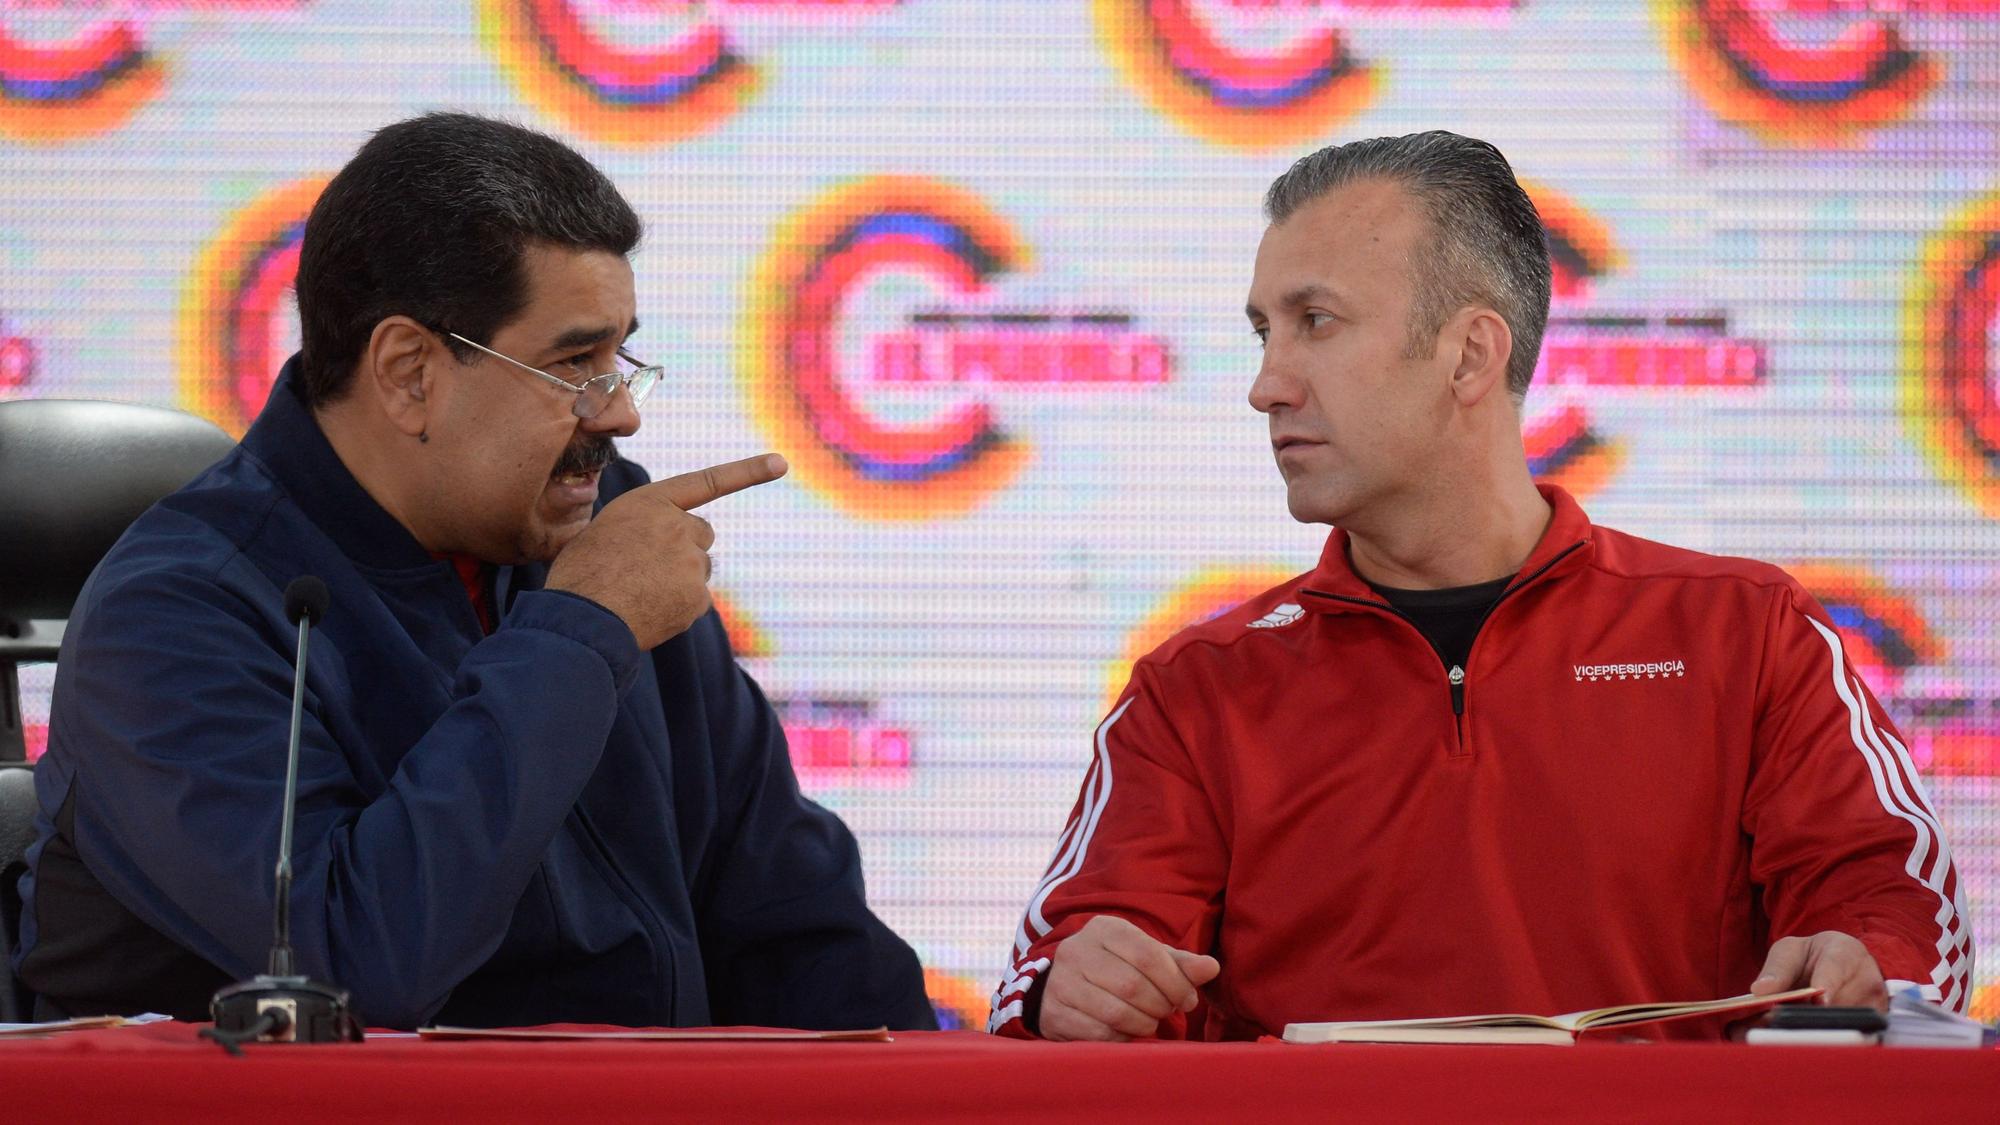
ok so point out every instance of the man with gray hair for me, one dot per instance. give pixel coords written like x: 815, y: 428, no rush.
x: 1486, y: 756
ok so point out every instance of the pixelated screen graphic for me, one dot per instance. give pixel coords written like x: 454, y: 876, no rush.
x: 977, y: 268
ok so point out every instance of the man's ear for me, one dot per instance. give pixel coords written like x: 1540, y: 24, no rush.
x: 1486, y: 344
x: 398, y: 370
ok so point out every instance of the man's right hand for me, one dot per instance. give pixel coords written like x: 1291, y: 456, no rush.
x: 645, y: 558
x: 1110, y: 981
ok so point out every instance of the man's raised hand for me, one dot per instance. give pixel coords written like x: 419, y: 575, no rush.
x: 645, y: 557
x: 1111, y: 981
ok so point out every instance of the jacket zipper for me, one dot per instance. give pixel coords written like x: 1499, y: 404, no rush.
x: 1455, y: 676
x: 641, y: 909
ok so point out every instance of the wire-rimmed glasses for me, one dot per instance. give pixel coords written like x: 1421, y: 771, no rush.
x: 594, y: 393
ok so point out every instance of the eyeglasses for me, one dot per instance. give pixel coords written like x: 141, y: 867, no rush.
x: 594, y: 393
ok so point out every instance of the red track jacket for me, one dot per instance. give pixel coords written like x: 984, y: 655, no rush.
x: 1654, y: 764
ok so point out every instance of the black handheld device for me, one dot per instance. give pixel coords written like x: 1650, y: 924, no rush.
x: 1822, y: 1017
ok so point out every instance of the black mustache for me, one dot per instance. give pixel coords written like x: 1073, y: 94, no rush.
x: 586, y: 456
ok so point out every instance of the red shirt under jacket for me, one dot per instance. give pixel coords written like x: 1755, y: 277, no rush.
x: 477, y: 578
x: 1656, y: 763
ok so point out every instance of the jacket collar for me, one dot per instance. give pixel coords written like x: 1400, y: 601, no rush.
x: 1564, y: 546
x: 287, y: 441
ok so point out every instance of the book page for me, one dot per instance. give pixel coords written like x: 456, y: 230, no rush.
x: 1640, y: 1013
x: 1320, y: 1032
x: 1531, y: 1034
x: 1463, y: 1029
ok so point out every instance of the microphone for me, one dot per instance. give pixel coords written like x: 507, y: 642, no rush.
x: 280, y: 1006
x: 305, y: 604
x: 306, y: 597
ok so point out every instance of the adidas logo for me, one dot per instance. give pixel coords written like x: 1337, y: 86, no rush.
x: 1280, y: 617
x: 1659, y: 669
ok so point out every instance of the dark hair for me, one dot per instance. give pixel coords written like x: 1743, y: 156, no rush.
x: 1486, y: 243
x: 429, y: 221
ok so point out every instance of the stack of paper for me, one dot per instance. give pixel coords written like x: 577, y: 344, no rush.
x: 859, y: 1035
x: 82, y: 1023
x: 1916, y: 1022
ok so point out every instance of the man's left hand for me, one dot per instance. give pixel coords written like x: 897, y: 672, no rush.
x: 1834, y: 962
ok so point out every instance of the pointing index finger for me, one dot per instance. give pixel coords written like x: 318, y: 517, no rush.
x: 691, y: 490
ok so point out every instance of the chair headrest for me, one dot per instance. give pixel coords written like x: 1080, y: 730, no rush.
x: 17, y: 813
x: 73, y: 477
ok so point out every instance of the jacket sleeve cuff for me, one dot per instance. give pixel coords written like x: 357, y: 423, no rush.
x: 1901, y: 964
x: 577, y: 618
x: 1017, y: 1004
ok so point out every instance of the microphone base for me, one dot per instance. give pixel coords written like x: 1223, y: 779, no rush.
x: 311, y: 1012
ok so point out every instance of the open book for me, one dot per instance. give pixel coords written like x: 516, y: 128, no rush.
x: 1530, y: 1029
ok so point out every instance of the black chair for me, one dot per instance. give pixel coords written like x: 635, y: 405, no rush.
x: 73, y: 477
x: 17, y: 831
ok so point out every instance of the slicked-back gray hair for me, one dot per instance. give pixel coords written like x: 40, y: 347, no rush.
x: 1486, y: 244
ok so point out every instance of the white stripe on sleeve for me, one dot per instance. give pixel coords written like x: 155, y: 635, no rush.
x: 1068, y: 860
x: 1081, y: 844
x: 1901, y: 795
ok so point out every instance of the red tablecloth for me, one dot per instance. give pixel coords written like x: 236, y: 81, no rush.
x: 162, y: 1073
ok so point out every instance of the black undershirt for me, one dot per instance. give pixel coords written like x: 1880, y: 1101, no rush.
x: 1448, y: 619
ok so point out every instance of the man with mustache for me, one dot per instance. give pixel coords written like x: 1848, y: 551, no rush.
x: 534, y: 786
x: 1487, y: 757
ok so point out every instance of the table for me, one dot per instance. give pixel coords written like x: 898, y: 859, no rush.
x: 162, y: 1072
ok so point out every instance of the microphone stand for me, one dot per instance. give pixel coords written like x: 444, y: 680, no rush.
x: 282, y: 1006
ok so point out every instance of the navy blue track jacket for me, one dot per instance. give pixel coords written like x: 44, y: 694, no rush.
x: 541, y: 825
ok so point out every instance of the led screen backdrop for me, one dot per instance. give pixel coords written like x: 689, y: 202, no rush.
x: 977, y: 266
